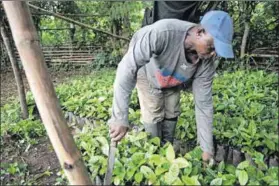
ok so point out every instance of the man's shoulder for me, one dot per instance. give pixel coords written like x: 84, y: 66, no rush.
x: 172, y: 25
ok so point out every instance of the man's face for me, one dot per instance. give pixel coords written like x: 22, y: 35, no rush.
x: 204, y: 44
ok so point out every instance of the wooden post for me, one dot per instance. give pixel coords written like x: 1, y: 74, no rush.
x: 27, y: 43
x: 18, y: 78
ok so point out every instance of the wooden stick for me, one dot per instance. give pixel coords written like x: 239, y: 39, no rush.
x: 264, y: 55
x: 76, y: 15
x: 27, y: 43
x: 78, y: 23
x: 18, y: 77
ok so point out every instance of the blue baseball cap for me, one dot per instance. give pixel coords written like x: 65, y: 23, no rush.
x: 220, y: 25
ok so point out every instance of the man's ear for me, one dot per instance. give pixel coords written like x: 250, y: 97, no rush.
x: 200, y: 31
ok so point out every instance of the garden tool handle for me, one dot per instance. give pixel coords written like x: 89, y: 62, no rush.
x: 111, y: 159
x: 113, y: 143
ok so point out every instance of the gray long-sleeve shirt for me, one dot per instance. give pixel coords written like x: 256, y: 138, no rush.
x: 159, y: 48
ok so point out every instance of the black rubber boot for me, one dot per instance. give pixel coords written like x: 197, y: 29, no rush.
x: 168, y: 130
x: 153, y: 129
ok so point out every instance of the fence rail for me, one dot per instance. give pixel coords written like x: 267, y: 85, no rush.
x: 74, y: 55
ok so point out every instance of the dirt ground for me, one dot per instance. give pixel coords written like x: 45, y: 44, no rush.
x: 8, y: 84
x: 40, y: 158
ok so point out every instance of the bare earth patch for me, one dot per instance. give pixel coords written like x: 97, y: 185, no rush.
x: 39, y: 158
x: 8, y: 84
x: 42, y: 163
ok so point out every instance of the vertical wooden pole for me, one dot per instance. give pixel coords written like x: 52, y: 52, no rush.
x: 27, y: 43
x: 18, y: 78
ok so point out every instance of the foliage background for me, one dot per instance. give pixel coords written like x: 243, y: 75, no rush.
x: 125, y: 17
x: 246, y: 102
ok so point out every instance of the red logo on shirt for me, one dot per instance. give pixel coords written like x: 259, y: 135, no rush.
x: 167, y: 81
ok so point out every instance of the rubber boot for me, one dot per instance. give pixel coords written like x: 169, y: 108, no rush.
x: 153, y: 129
x: 168, y: 130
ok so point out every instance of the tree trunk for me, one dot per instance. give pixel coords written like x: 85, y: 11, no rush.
x: 244, y: 38
x: 224, y: 6
x: 18, y: 78
x: 72, y: 37
x: 28, y: 45
x: 127, y: 25
x: 246, y: 10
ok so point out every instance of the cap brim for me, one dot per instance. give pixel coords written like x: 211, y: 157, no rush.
x: 223, y: 49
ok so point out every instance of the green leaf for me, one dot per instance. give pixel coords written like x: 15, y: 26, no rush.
x: 270, y: 144
x: 243, y: 165
x: 275, y: 182
x: 170, y: 154
x: 130, y: 172
x: 195, y: 154
x: 254, y: 182
x: 102, y: 98
x: 221, y: 166
x: 261, y: 164
x: 174, y: 170
x: 196, y: 170
x: 105, y: 145
x: 267, y: 179
x: 252, y: 128
x: 169, y: 179
x: 95, y: 159
x: 273, y: 172
x: 228, y: 179
x: 177, y: 182
x: 148, y: 173
x: 116, y: 181
x: 155, y: 141
x: 216, y: 181
x: 138, y: 177
x: 260, y: 174
x: 220, y: 107
x: 187, y: 171
x: 242, y: 177
x: 12, y: 170
x: 140, y: 136
x: 136, y: 157
x: 156, y: 159
x: 181, y: 162
x: 210, y: 172
x: 228, y: 134
x: 252, y: 172
x: 193, y: 180
x: 159, y: 170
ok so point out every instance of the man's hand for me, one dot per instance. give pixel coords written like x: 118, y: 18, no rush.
x: 117, y: 132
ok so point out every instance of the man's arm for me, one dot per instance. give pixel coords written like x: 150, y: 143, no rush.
x: 202, y: 90
x: 141, y: 49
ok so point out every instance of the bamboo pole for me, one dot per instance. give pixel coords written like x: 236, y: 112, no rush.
x: 18, y: 77
x: 27, y: 43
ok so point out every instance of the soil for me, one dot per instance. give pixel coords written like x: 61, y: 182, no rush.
x: 9, y: 89
x: 39, y: 157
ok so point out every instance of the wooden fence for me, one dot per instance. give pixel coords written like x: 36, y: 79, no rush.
x: 266, y: 58
x: 67, y: 54
x: 80, y: 55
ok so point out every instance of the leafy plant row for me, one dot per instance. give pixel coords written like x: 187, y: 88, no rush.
x: 246, y: 112
x: 245, y: 105
x: 141, y: 160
